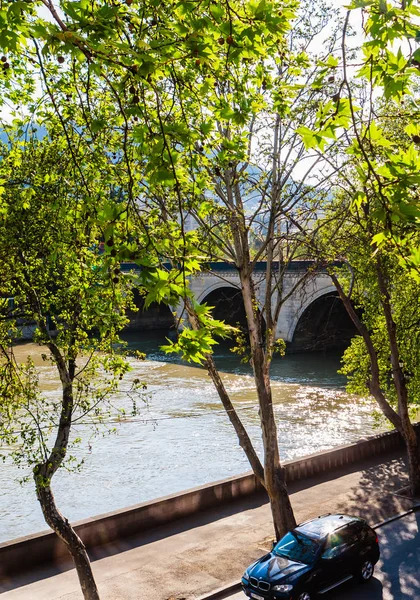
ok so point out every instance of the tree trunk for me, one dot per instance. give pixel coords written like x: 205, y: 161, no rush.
x: 413, y: 455
x: 243, y: 437
x: 66, y: 533
x: 400, y: 420
x: 374, y: 383
x: 400, y: 383
x: 274, y: 481
x: 272, y: 475
x: 281, y: 508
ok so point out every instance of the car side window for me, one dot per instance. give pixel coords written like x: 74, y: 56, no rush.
x: 366, y: 534
x: 332, y: 546
x: 338, y: 541
x: 350, y: 535
x: 335, y: 540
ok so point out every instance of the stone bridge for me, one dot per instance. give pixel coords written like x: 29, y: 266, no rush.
x: 311, y: 318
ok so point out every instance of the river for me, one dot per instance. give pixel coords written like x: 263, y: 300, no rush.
x: 182, y: 437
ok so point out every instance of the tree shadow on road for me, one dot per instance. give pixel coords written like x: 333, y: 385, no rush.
x: 374, y: 498
x: 400, y: 549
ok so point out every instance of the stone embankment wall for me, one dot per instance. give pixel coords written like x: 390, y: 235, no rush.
x: 43, y: 548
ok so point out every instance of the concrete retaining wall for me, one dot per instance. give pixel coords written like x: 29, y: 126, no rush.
x: 29, y: 551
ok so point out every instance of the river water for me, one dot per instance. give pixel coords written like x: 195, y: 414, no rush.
x: 182, y: 437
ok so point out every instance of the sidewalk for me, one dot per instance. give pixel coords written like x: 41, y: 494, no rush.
x: 192, y: 557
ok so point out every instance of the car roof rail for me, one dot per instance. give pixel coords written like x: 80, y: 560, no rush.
x: 314, y: 519
x: 354, y: 521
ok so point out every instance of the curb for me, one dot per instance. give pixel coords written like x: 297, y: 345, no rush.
x: 236, y: 587
x: 220, y: 592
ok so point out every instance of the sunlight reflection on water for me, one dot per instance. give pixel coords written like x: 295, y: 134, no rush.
x: 183, y: 438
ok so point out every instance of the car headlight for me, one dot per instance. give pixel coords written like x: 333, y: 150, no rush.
x: 246, y: 575
x: 282, y: 588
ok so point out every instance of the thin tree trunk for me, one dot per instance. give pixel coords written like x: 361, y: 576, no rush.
x: 413, y: 455
x: 274, y: 473
x: 274, y: 480
x: 400, y: 420
x: 44, y: 472
x: 408, y: 431
x: 243, y: 437
x: 66, y: 533
x: 373, y: 384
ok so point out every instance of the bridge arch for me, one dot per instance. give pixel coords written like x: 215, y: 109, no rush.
x: 156, y: 316
x: 308, y: 300
x: 322, y: 323
x: 228, y: 304
x: 201, y: 298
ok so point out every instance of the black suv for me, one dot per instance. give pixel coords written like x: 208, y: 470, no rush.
x: 315, y: 557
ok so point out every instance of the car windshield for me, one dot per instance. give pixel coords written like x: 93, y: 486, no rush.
x: 298, y: 547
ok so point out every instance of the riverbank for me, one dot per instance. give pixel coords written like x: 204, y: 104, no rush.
x: 182, y: 437
x: 193, y: 556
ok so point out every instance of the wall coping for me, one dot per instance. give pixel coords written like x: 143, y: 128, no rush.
x: 129, y: 509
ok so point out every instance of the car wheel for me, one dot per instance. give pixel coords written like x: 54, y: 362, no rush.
x: 366, y: 571
x: 304, y: 596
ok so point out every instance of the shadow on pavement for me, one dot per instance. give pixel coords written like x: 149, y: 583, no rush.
x: 398, y: 572
x: 400, y: 550
x: 374, y: 498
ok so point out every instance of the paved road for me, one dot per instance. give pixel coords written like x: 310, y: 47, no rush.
x: 397, y: 575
